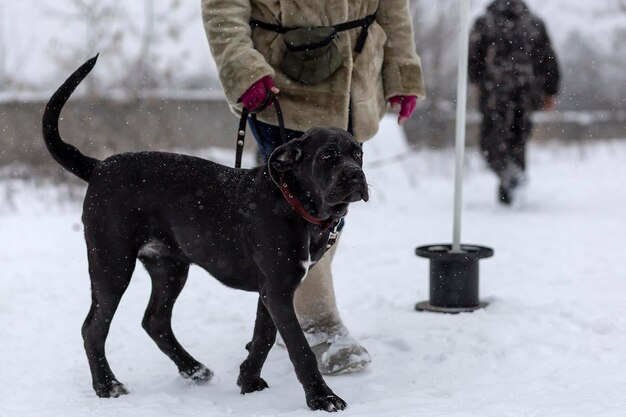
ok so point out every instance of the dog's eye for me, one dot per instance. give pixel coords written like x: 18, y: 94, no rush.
x: 358, y: 154
x: 326, y: 156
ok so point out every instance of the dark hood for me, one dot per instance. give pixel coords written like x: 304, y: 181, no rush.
x: 511, y: 9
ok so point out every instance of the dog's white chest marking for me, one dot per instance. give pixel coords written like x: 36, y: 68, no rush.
x: 305, y: 264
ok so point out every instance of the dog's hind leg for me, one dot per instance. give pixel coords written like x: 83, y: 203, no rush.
x: 263, y: 339
x: 110, y: 269
x: 168, y: 279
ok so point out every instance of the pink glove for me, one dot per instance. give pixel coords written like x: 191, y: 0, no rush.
x: 406, y: 104
x: 257, y: 97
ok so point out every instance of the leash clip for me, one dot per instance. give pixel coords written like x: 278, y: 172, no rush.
x: 333, y: 236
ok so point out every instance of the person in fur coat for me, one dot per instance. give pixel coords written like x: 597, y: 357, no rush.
x: 374, y: 65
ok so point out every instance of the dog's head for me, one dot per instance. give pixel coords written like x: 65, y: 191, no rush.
x: 323, y: 169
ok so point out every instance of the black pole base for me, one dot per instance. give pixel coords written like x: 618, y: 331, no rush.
x: 426, y: 306
x: 453, y: 278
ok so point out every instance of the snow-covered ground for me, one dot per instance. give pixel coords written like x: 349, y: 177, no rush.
x: 552, y: 341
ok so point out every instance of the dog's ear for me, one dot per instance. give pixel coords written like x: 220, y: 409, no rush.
x: 286, y: 157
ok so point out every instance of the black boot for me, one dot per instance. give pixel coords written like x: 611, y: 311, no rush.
x: 504, y: 195
x: 510, y: 180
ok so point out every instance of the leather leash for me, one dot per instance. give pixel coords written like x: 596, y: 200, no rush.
x: 241, y: 132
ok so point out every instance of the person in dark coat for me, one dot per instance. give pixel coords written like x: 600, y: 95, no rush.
x: 513, y: 66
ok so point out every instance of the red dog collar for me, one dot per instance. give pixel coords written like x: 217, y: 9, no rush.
x: 297, y: 206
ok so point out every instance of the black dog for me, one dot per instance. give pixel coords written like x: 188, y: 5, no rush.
x: 257, y: 230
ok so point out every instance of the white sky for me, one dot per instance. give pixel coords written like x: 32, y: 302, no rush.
x: 31, y: 37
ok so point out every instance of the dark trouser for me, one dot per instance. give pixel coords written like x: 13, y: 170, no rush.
x: 268, y: 136
x: 503, y: 138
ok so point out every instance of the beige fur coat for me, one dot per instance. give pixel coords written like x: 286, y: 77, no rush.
x: 387, y: 66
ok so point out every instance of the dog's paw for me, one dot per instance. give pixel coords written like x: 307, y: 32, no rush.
x: 328, y: 403
x: 198, y: 374
x: 249, y: 385
x: 112, y: 389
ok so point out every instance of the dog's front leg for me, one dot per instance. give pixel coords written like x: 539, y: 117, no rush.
x: 263, y: 339
x: 319, y: 396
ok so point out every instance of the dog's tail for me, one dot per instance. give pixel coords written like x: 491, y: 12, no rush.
x: 65, y: 154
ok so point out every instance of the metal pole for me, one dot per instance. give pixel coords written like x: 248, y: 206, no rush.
x: 2, y: 47
x: 461, y: 107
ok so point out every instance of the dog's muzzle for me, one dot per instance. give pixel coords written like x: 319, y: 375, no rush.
x: 352, y: 185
